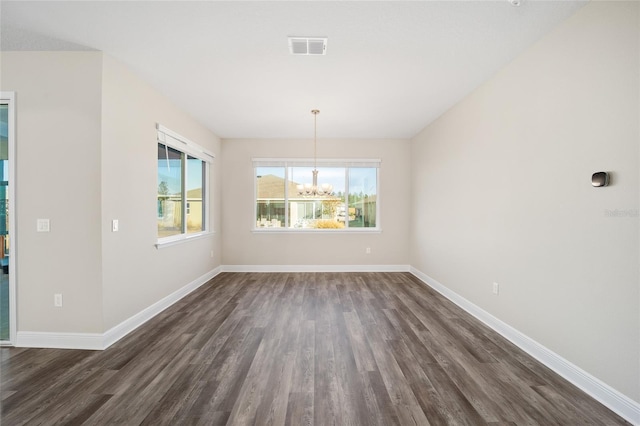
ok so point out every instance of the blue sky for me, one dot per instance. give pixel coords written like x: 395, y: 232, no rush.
x: 170, y: 173
x: 361, y: 179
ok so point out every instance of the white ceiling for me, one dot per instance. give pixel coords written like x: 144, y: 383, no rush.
x: 391, y: 67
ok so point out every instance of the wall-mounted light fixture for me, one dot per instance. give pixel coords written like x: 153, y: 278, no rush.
x: 600, y: 179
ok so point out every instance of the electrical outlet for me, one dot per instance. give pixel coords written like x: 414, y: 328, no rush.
x: 57, y: 300
x: 367, y: 250
x: 496, y: 288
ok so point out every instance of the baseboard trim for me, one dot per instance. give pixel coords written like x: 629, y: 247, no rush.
x: 38, y: 339
x: 316, y: 268
x: 127, y: 326
x: 98, y: 341
x: 600, y: 391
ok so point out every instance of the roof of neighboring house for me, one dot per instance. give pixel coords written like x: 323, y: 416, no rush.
x: 272, y: 187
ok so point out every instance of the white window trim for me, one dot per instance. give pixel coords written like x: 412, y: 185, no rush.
x: 316, y: 231
x: 9, y: 98
x: 310, y: 162
x: 174, y: 140
x: 170, y: 241
x: 322, y: 162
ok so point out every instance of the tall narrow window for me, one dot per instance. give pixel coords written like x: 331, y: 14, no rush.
x: 7, y: 219
x: 270, y: 197
x: 182, y: 203
x: 363, y: 197
x: 169, y: 191
x: 196, y: 186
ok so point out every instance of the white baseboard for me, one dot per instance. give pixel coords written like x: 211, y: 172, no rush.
x: 38, y: 339
x: 127, y: 326
x: 97, y: 341
x: 605, y: 394
x: 316, y: 268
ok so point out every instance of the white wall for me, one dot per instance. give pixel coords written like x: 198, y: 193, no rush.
x: 242, y: 247
x: 58, y: 107
x: 502, y: 194
x: 135, y: 273
x: 87, y: 154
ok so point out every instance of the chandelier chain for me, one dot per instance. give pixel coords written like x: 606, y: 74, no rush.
x: 315, y: 113
x: 313, y: 189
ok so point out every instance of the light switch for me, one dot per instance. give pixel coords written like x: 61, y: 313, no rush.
x: 114, y: 225
x: 42, y: 225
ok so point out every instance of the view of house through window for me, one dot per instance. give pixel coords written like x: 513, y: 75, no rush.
x: 182, y: 201
x: 5, y: 246
x: 169, y: 191
x: 351, y: 204
x: 196, y: 179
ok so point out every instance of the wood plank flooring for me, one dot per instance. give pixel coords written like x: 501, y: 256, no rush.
x: 297, y: 349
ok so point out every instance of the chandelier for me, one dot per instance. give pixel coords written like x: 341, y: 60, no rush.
x: 313, y: 189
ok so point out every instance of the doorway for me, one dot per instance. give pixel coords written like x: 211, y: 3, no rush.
x: 7, y: 219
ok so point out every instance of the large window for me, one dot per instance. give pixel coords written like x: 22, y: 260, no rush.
x: 182, y: 203
x: 284, y: 196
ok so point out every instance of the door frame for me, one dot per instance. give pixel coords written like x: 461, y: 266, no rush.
x: 9, y: 98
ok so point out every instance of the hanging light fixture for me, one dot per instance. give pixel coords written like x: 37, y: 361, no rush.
x: 312, y: 189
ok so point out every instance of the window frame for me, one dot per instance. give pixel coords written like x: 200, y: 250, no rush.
x: 286, y: 163
x: 187, y: 148
x: 9, y: 99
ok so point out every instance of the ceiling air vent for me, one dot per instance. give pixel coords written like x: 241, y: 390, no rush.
x: 308, y: 45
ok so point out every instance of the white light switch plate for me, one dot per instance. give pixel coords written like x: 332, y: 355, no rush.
x: 43, y: 225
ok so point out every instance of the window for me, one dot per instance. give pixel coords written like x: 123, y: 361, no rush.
x: 282, y: 197
x: 182, y: 203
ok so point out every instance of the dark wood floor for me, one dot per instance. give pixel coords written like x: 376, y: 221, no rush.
x: 299, y: 349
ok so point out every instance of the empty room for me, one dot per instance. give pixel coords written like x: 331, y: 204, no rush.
x: 320, y: 212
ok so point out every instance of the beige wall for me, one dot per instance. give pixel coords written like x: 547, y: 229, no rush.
x: 504, y: 194
x: 58, y: 177
x: 86, y: 152
x: 135, y: 273
x: 242, y: 247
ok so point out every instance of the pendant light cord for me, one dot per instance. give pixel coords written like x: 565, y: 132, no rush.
x: 315, y: 113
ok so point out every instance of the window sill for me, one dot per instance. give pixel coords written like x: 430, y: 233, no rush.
x: 316, y: 231
x: 183, y: 239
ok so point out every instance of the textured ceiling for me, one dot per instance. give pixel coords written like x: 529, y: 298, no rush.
x: 391, y: 67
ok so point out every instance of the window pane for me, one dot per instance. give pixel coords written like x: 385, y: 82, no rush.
x: 169, y: 191
x: 362, y: 197
x: 286, y: 195
x: 196, y: 173
x: 4, y: 224
x: 321, y: 212
x: 270, y: 197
